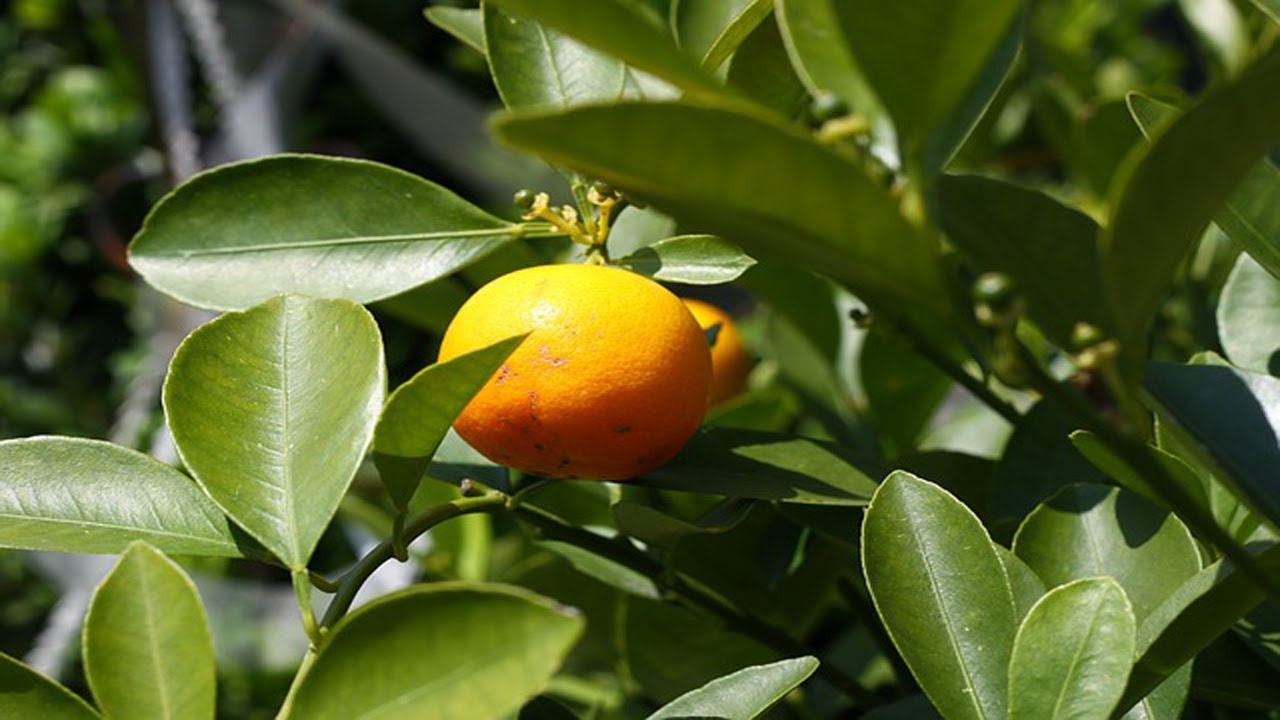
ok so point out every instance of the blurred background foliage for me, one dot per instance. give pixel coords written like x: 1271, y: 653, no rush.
x: 105, y: 104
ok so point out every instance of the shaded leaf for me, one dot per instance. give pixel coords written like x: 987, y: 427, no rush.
x: 744, y: 694
x: 419, y: 413
x: 605, y: 570
x: 87, y: 496
x: 1026, y: 585
x: 690, y: 259
x: 943, y: 595
x: 765, y: 466
x: 464, y: 24
x: 903, y: 389
x: 1249, y: 316
x: 1038, y: 461
x: 504, y: 644
x: 1072, y: 653
x: 273, y: 408
x: 25, y: 693
x: 321, y: 226
x: 147, y: 648
x: 820, y: 52
x: 762, y: 71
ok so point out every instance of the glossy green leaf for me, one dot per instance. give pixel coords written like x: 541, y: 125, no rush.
x: 766, y: 466
x: 743, y: 695
x: 1091, y: 530
x: 1201, y: 609
x: 1072, y: 653
x: 820, y: 53
x: 1169, y: 191
x: 273, y: 408
x: 761, y: 70
x: 25, y: 693
x: 446, y: 650
x: 87, y: 496
x: 923, y: 57
x: 1117, y: 469
x: 713, y: 29
x: 942, y: 593
x: 689, y: 259
x: 621, y: 30
x: 419, y: 413
x: 147, y: 648
x: 1230, y: 513
x: 1232, y: 417
x: 605, y: 570
x: 1250, y: 216
x: 811, y: 207
x: 465, y: 24
x: 320, y: 226
x: 1021, y: 232
x: 534, y: 66
x: 1027, y: 587
x: 1249, y: 317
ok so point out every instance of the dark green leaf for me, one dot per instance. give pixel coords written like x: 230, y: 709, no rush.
x: 1251, y: 215
x: 147, y: 648
x: 419, y: 413
x: 1232, y: 416
x: 1022, y: 232
x: 1037, y: 462
x: 273, y: 408
x: 327, y: 227
x: 534, y: 66
x: 1093, y: 530
x: 903, y: 389
x: 605, y: 570
x: 25, y: 693
x: 1117, y: 469
x: 1249, y: 316
x: 922, y: 58
x: 942, y: 593
x: 544, y: 708
x: 465, y: 24
x: 504, y: 644
x: 811, y: 206
x: 765, y: 466
x: 821, y: 56
x: 743, y: 695
x: 1169, y: 191
x: 690, y: 259
x: 913, y: 707
x: 1270, y: 7
x: 1073, y: 653
x: 658, y: 528
x: 88, y: 496
x: 714, y: 30
x: 762, y: 70
x: 1026, y: 585
x: 618, y: 28
x: 1228, y: 673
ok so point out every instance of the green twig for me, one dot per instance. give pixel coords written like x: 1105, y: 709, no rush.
x: 922, y: 344
x: 399, y: 546
x: 302, y: 590
x: 322, y: 583
x: 682, y: 588
x: 351, y: 582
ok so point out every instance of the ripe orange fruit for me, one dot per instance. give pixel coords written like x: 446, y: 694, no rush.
x: 729, y: 360
x: 611, y: 382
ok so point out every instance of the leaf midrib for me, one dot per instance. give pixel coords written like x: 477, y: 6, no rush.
x: 109, y: 526
x: 499, y: 231
x: 148, y: 612
x: 1075, y: 658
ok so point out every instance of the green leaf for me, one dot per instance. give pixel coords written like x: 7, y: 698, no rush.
x: 448, y: 649
x: 419, y: 413
x: 1073, y: 653
x: 327, y: 227
x: 690, y: 259
x: 1038, y: 461
x: 1117, y: 469
x: 1228, y: 673
x: 273, y: 408
x: 942, y: 593
x: 712, y: 30
x: 534, y: 66
x: 1091, y: 530
x: 25, y: 693
x: 922, y: 58
x: 621, y: 30
x: 1249, y: 317
x: 820, y: 52
x: 147, y: 648
x: 1251, y: 215
x: 762, y: 71
x: 765, y: 466
x: 605, y: 570
x: 903, y: 389
x: 810, y: 205
x: 1201, y: 609
x: 1027, y: 587
x: 1167, y: 192
x: 658, y: 528
x: 464, y: 24
x: 89, y: 496
x: 1232, y: 417
x: 1270, y: 7
x: 743, y: 695
x: 1230, y: 513
x: 1021, y: 232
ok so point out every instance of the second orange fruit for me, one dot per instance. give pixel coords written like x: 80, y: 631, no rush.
x: 729, y: 359
x: 611, y: 382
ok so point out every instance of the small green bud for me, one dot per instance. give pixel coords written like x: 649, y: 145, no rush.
x: 826, y: 106
x: 524, y: 198
x: 1085, y: 336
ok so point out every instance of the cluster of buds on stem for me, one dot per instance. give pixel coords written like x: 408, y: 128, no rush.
x: 590, y: 228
